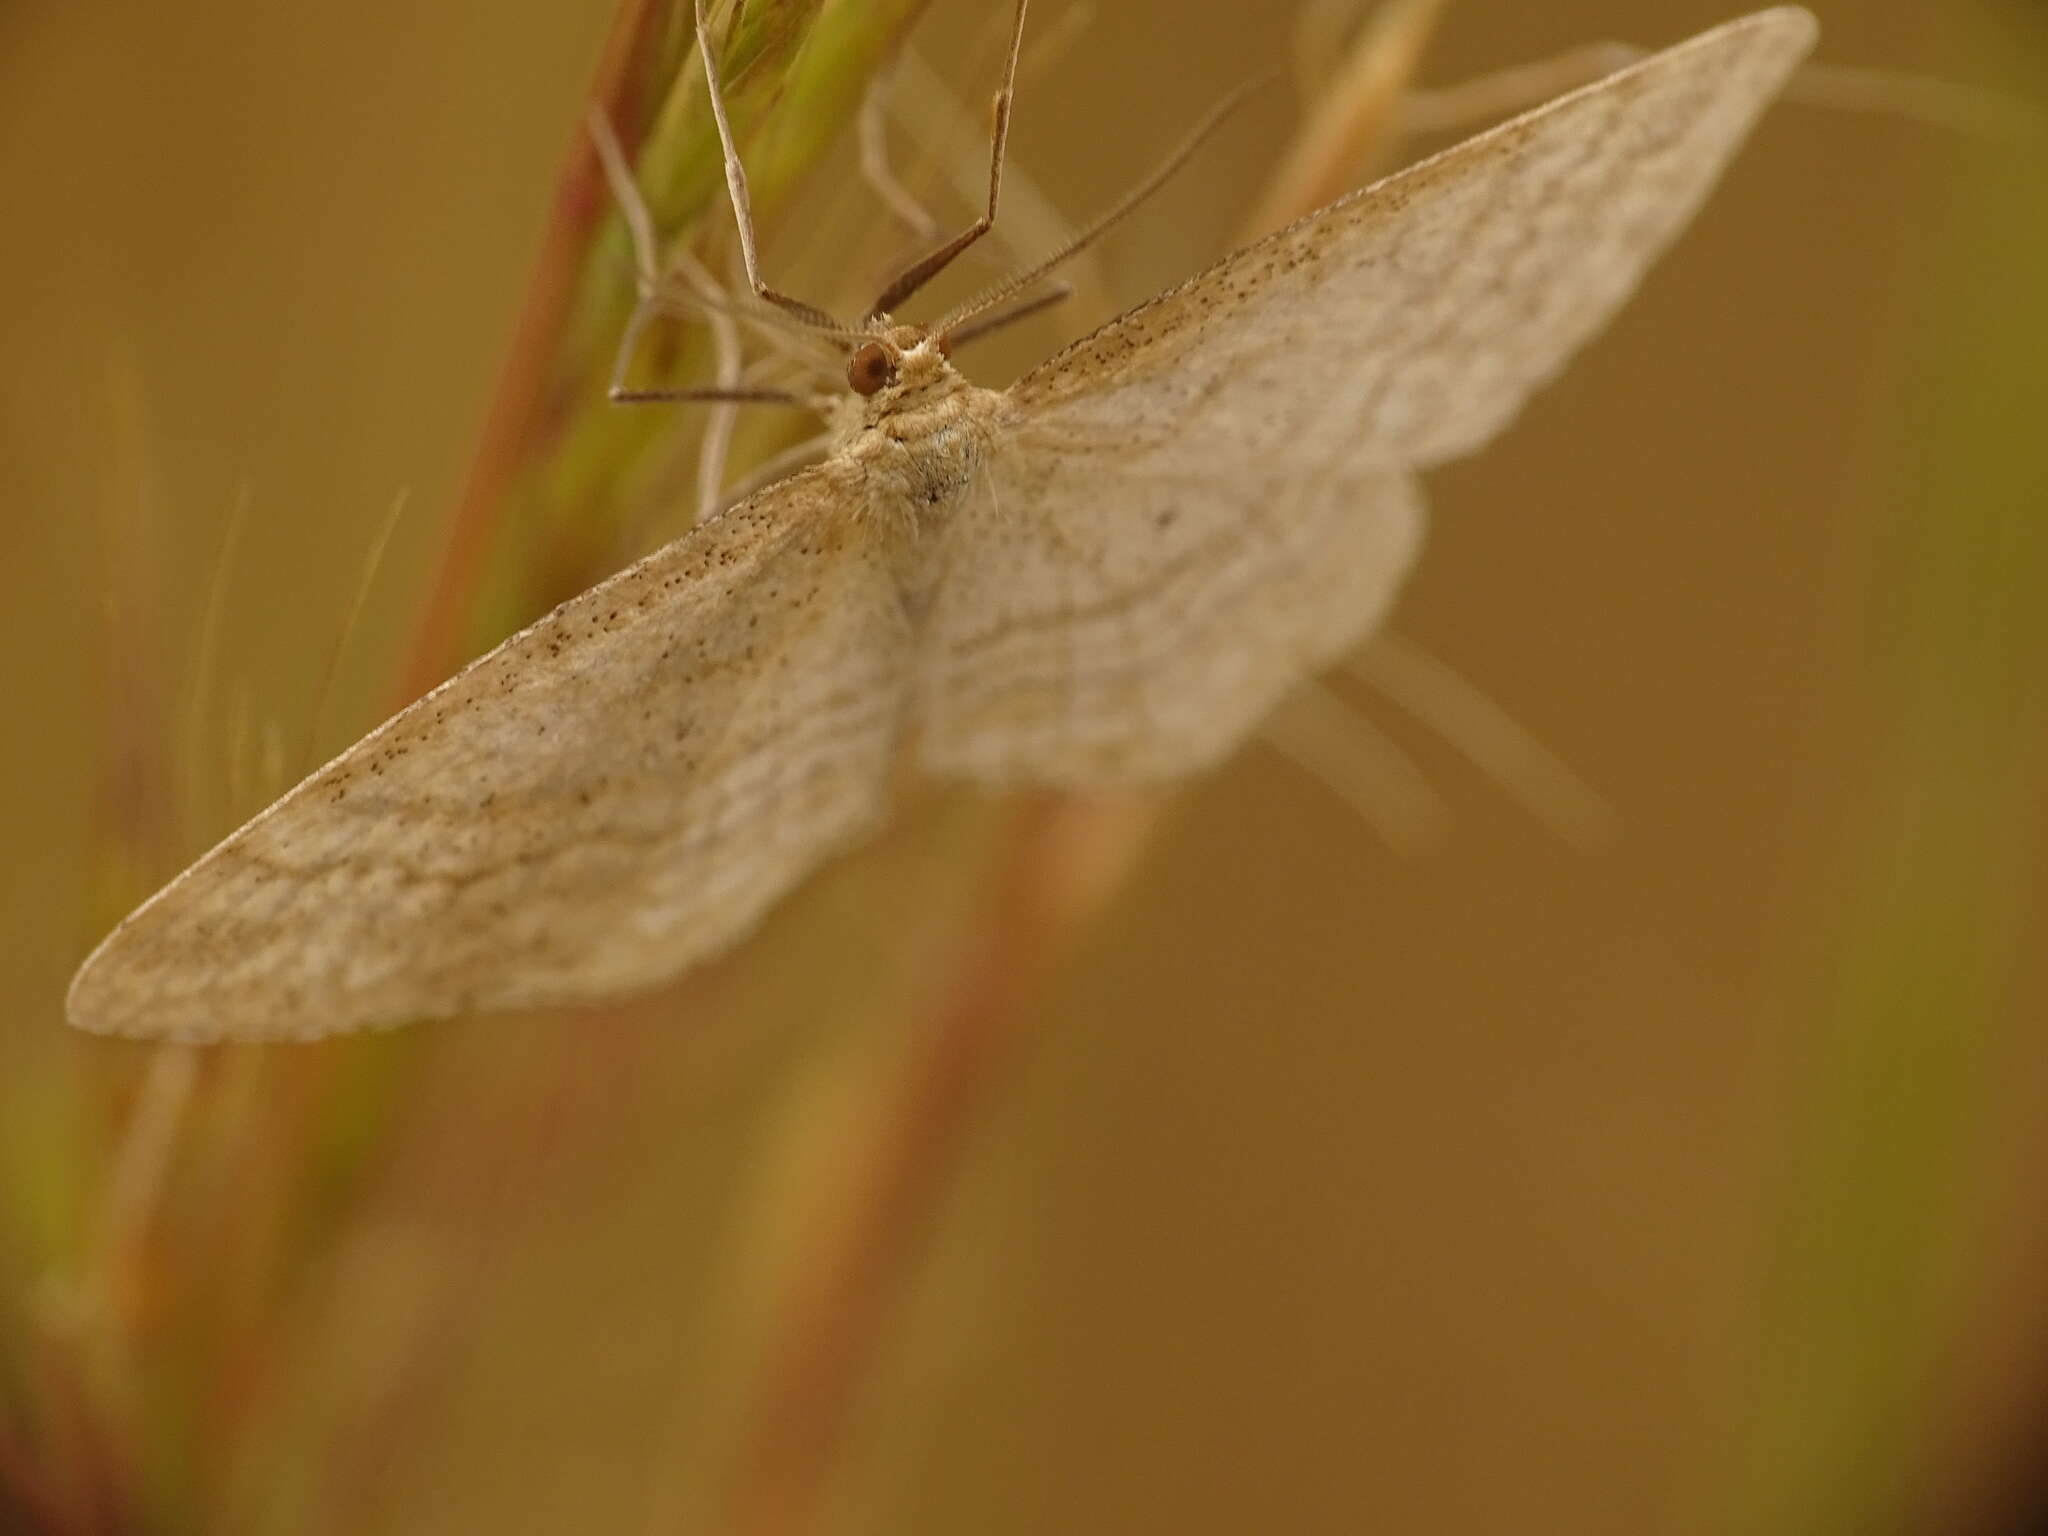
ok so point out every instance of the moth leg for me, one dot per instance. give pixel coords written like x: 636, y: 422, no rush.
x: 648, y: 280
x: 640, y: 230
x: 736, y: 186
x: 734, y: 382
x: 618, y: 175
x: 710, y: 394
x: 716, y: 443
x: 922, y: 271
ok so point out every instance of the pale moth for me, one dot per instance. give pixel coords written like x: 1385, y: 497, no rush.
x: 1105, y: 575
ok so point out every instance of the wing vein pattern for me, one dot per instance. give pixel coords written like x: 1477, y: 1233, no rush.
x: 1106, y: 576
x: 613, y: 793
x: 1219, y: 484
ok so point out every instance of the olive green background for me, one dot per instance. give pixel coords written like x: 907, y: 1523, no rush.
x: 1689, y: 1182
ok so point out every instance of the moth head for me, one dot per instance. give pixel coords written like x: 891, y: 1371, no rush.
x: 903, y: 355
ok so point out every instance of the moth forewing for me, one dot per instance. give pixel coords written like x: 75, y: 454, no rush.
x: 1429, y: 305
x: 612, y: 794
x: 1217, y: 488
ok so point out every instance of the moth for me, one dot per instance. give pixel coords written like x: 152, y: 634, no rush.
x: 1102, y: 576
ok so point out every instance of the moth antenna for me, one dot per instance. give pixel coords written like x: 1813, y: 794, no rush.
x: 1003, y: 319
x: 736, y: 186
x: 927, y: 267
x: 988, y: 298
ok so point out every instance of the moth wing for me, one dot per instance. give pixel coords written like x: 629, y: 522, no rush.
x: 1426, y: 308
x: 1212, y: 495
x: 612, y: 794
x: 1114, y: 618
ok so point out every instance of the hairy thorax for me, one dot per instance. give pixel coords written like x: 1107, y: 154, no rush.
x: 918, y: 441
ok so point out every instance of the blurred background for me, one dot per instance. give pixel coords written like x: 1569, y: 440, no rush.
x: 1684, y: 1180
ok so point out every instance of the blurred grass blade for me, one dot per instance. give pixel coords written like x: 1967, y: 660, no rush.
x: 1919, y: 1024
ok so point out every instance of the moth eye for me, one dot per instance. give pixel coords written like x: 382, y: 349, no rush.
x: 869, y: 369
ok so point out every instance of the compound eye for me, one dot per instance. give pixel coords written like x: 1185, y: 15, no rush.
x: 869, y: 369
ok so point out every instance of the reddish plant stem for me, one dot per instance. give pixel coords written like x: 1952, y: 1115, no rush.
x: 519, y: 406
x: 29, y: 1499
x: 1063, y: 858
